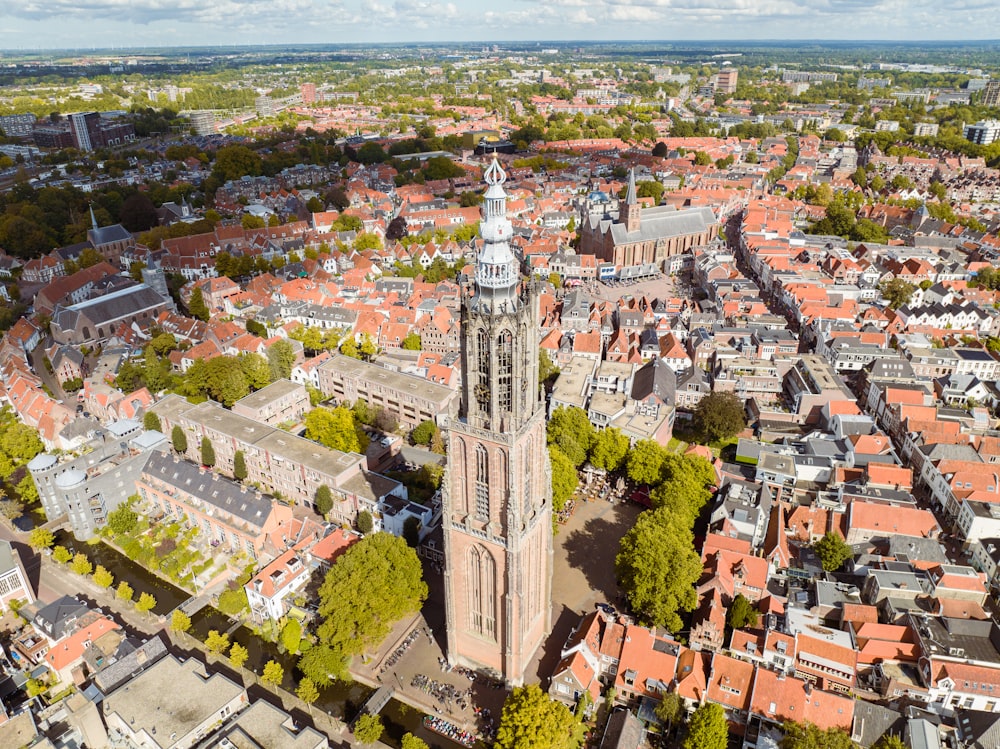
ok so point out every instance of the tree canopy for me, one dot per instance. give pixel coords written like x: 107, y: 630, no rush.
x: 657, y: 568
x: 897, y: 292
x: 832, y: 551
x: 609, y: 449
x: 337, y: 428
x: 742, y: 613
x: 564, y: 478
x: 707, y: 728
x: 720, y: 415
x: 571, y: 430
x: 374, y: 584
x: 809, y: 736
x: 532, y: 720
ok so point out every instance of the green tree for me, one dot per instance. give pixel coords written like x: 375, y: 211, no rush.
x: 809, y: 736
x: 742, y: 613
x: 123, y: 519
x: 239, y: 466
x: 196, y: 305
x: 365, y: 523
x: 225, y: 380
x: 324, y: 500
x: 564, y: 478
x: 151, y: 422
x: 368, y: 728
x: 644, y: 463
x: 412, y: 742
x: 890, y: 741
x: 323, y: 664
x: 217, y: 642
x: 233, y: 600
x: 670, y: 708
x: 233, y: 162
x: 281, y: 359
x: 411, y: 532
x: 41, y: 538
x: 609, y: 449
x: 81, y: 565
x: 832, y: 551
x: 367, y: 348
x: 145, y: 603
x: 412, y: 342
x: 720, y: 415
x: 273, y: 673
x: 657, y: 568
x: 291, y: 635
x: 423, y: 433
x: 373, y: 585
x: 179, y: 621
x: 547, y: 370
x: 27, y: 490
x: 308, y: 693
x: 707, y: 728
x: 124, y: 592
x: 571, y: 430
x: 336, y: 428
x: 897, y: 292
x: 532, y: 720
x: 102, y: 577
x: 238, y: 655
x: 179, y: 439
x: 61, y: 555
x: 256, y: 370
x: 702, y: 159
x: 207, y: 452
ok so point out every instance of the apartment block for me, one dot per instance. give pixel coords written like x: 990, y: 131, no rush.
x: 409, y: 398
x: 284, y: 464
x: 280, y: 402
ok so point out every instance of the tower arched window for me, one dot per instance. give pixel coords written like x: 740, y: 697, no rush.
x: 483, y: 356
x: 482, y: 483
x: 505, y: 367
x: 482, y: 593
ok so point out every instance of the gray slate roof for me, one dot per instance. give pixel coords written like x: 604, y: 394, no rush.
x: 246, y: 504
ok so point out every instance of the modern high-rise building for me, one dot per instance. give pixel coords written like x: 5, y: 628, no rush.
x: 991, y: 94
x: 308, y: 92
x: 498, y: 492
x: 84, y: 128
x: 983, y: 132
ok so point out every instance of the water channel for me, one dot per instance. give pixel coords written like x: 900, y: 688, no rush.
x: 168, y: 596
x: 341, y: 699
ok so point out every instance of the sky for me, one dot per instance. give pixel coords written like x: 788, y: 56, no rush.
x: 26, y: 24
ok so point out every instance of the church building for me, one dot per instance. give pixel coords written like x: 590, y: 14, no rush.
x: 631, y: 235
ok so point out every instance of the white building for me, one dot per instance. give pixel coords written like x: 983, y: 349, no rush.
x: 13, y: 580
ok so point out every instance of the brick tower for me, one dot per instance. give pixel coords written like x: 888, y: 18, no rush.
x: 497, y: 491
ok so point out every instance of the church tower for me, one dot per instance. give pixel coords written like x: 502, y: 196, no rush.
x: 631, y: 217
x: 497, y: 490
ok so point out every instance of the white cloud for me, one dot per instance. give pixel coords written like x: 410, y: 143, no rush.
x: 89, y: 22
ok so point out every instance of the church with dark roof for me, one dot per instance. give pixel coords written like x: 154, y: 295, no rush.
x: 629, y: 235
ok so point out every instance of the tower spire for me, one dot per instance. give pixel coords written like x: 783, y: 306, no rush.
x: 632, y: 207
x: 496, y: 267
x: 93, y: 219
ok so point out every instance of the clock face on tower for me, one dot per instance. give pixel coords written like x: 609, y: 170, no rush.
x: 482, y: 395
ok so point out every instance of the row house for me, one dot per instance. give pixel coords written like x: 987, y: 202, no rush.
x: 226, y: 513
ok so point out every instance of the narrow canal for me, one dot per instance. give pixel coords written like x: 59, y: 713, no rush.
x: 168, y: 596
